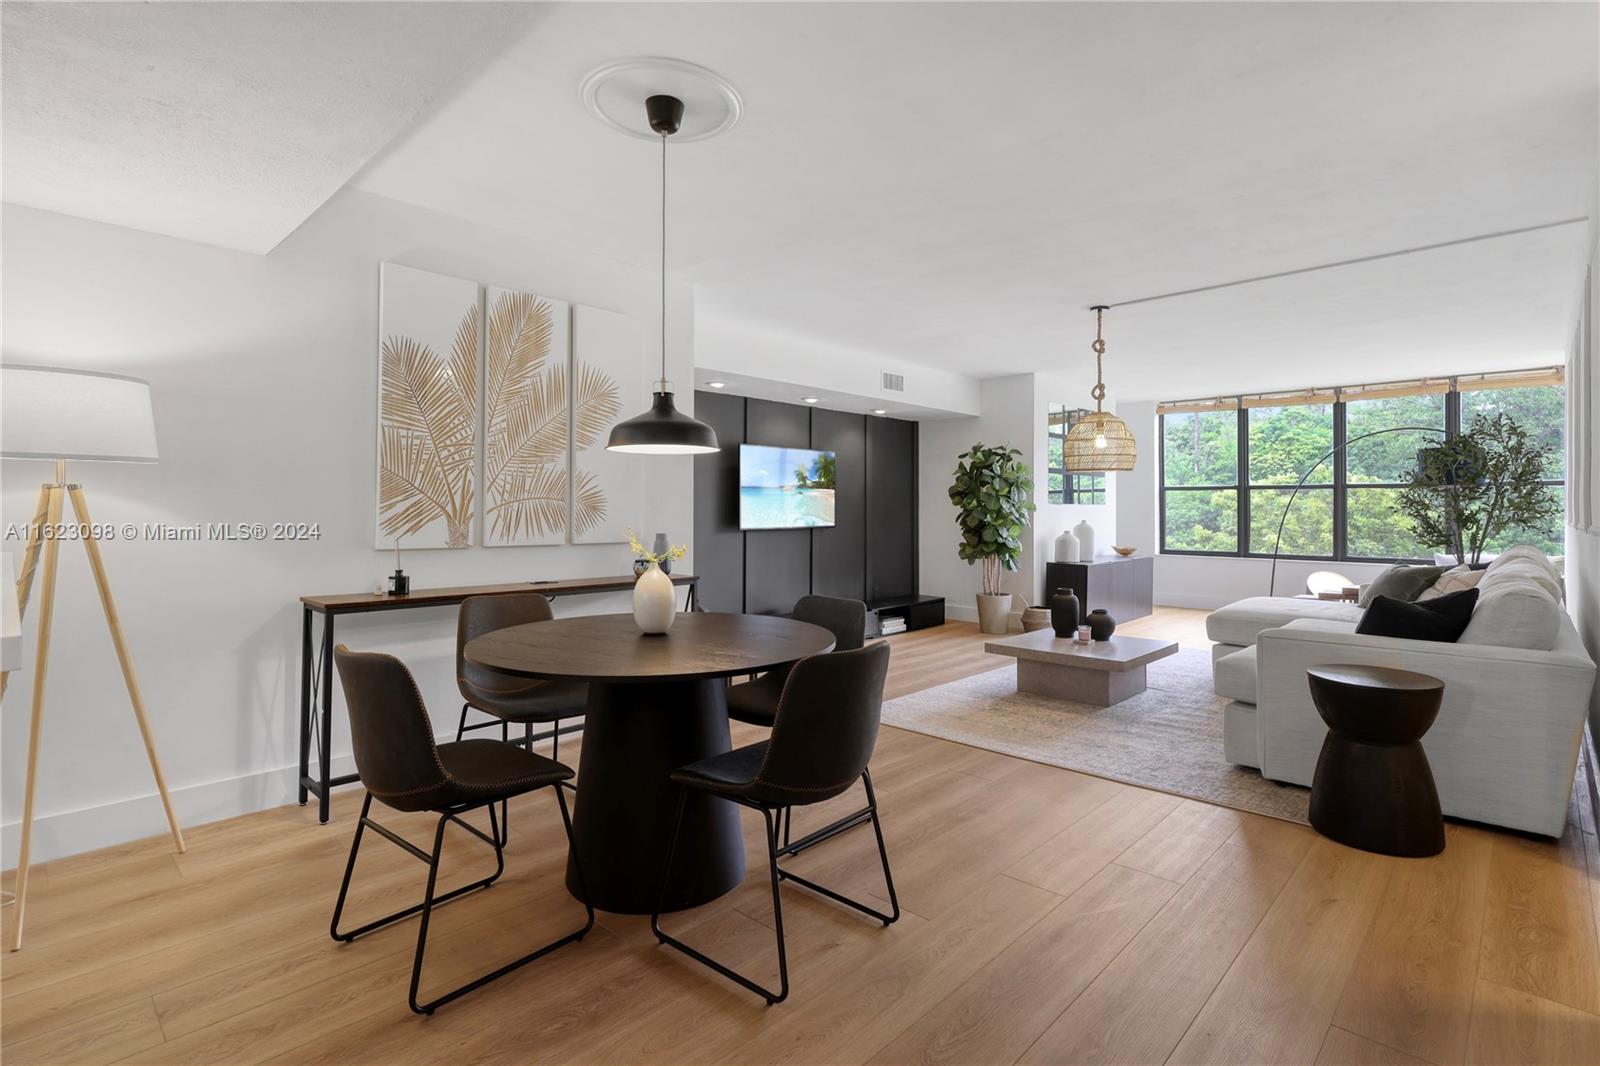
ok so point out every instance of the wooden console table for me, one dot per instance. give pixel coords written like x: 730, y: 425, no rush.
x: 317, y: 672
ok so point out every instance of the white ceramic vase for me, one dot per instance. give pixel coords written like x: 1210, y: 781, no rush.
x: 1085, y: 534
x: 654, y: 605
x: 1067, y: 547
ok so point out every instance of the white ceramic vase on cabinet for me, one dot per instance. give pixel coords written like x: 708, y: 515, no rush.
x: 1085, y: 534
x: 1067, y: 547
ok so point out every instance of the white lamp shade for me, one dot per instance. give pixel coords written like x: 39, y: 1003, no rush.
x: 50, y: 413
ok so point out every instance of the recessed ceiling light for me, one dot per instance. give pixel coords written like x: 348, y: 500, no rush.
x: 716, y: 384
x: 879, y: 411
x: 809, y: 399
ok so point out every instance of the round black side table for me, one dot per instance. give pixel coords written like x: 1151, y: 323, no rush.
x: 1373, y: 788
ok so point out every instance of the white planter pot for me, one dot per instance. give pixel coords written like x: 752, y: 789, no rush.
x: 994, y: 613
x: 654, y: 604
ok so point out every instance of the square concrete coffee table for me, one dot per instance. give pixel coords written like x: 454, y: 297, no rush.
x: 1099, y: 673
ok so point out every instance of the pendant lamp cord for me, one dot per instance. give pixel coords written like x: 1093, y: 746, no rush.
x: 1099, y: 346
x: 663, y: 261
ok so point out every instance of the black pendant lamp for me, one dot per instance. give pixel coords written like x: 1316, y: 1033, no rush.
x: 663, y: 430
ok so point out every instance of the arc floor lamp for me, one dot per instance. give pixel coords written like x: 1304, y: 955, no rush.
x: 1277, y: 544
x: 54, y: 414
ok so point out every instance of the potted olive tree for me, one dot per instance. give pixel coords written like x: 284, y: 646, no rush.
x: 1475, y: 486
x: 993, y: 494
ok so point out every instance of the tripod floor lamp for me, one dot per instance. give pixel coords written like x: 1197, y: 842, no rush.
x: 58, y: 415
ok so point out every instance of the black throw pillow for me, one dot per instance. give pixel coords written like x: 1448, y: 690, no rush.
x: 1442, y: 618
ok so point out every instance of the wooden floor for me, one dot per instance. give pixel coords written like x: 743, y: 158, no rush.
x: 1050, y: 917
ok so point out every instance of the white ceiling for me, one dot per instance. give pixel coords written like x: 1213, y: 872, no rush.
x: 952, y: 184
x: 227, y: 123
x: 956, y: 183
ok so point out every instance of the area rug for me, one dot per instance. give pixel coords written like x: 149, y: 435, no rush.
x: 1168, y: 737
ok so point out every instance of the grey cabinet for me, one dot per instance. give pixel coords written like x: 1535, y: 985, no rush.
x: 1122, y: 585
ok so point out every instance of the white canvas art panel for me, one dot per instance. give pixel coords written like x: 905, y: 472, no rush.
x: 607, y: 387
x: 428, y: 326
x: 527, y: 429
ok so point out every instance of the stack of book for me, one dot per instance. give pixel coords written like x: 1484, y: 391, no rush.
x: 891, y: 624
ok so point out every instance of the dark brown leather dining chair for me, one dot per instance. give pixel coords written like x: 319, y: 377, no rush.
x: 507, y: 698
x: 822, y: 739
x: 402, y: 767
x: 756, y: 702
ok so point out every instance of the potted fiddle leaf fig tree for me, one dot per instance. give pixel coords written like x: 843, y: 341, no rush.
x: 993, y: 495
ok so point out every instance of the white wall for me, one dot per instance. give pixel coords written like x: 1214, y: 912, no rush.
x: 731, y: 348
x: 1014, y: 410
x: 263, y: 372
x: 1583, y: 467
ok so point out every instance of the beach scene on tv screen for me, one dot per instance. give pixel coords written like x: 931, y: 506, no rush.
x: 784, y: 487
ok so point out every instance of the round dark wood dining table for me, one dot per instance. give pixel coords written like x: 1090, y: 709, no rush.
x: 655, y: 703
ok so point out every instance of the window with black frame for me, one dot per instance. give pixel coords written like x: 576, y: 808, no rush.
x: 1200, y: 482
x: 1379, y: 467
x: 1229, y: 467
x: 1064, y: 487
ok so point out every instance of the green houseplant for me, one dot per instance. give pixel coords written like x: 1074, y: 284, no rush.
x: 993, y: 495
x: 1475, y: 486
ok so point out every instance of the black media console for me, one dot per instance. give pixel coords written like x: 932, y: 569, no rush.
x: 919, y: 612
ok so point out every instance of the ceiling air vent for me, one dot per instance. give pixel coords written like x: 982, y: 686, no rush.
x: 894, y: 382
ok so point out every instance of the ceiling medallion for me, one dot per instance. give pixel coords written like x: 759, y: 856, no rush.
x: 611, y: 93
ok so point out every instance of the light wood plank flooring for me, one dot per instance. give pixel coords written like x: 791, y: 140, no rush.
x: 1049, y: 917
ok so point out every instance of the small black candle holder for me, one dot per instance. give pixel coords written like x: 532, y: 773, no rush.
x: 399, y: 584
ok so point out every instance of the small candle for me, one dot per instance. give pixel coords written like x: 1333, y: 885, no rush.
x: 1083, y: 635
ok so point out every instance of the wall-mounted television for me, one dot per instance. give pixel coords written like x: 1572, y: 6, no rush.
x: 785, y: 488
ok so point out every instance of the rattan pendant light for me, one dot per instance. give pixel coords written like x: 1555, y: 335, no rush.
x: 1100, y: 443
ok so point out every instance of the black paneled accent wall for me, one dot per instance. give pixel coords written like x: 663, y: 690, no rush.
x: 871, y: 552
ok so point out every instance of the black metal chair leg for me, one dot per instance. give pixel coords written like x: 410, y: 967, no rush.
x: 365, y: 822
x: 461, y: 729
x: 577, y: 865
x: 883, y: 856
x: 777, y: 910
x: 349, y: 868
x: 429, y: 903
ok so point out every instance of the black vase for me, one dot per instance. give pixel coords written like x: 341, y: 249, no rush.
x: 1101, y: 625
x: 1064, y: 612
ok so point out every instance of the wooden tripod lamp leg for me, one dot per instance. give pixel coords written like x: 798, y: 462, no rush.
x: 30, y: 561
x: 47, y: 605
x: 92, y: 546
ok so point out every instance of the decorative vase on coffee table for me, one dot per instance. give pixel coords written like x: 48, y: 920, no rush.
x: 994, y: 612
x: 1101, y: 625
x: 1067, y: 547
x: 654, y: 605
x: 1064, y: 609
x: 1035, y: 618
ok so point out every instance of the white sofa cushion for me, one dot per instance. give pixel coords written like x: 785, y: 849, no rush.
x: 1240, y: 621
x: 1234, y: 676
x: 1522, y: 563
x: 1514, y: 613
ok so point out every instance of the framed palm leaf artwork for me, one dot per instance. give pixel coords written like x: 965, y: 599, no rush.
x: 427, y: 408
x: 607, y: 386
x: 526, y: 426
